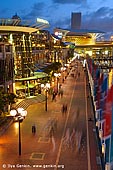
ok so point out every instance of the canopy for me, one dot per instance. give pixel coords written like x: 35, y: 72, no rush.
x: 31, y: 85
x: 26, y: 78
x: 40, y: 74
x: 37, y: 75
x: 20, y: 87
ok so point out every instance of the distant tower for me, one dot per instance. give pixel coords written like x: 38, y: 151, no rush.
x: 75, y: 20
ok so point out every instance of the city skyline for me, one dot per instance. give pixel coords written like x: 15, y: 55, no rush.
x: 98, y: 15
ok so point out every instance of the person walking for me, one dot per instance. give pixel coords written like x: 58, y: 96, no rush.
x: 51, y: 132
x: 60, y: 93
x: 33, y: 129
x: 53, y: 143
x: 54, y: 96
x: 64, y: 109
x: 73, y: 139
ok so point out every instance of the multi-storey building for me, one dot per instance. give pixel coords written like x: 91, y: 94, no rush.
x: 6, y: 67
x: 28, y: 46
x: 75, y: 20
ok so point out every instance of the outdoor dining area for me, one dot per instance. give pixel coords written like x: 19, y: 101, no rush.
x: 30, y: 86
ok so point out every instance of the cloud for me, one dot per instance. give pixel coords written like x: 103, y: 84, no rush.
x: 36, y: 11
x: 102, y: 12
x: 59, y: 15
x: 62, y: 23
x: 69, y: 1
x: 101, y: 19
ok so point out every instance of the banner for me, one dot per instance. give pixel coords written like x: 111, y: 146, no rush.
x: 108, y: 113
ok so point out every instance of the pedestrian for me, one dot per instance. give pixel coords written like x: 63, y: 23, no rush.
x: 54, y: 96
x: 55, y: 124
x: 78, y: 140
x: 33, y: 129
x: 78, y: 74
x: 64, y: 109
x: 73, y: 139
x: 60, y: 92
x: 66, y: 138
x: 51, y: 132
x: 53, y: 143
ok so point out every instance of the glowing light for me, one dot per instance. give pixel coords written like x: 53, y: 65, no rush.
x: 103, y: 148
x: 100, y: 133
x: 20, y: 110
x: 16, y: 125
x: 47, y: 85
x: 13, y: 112
x: 42, y: 21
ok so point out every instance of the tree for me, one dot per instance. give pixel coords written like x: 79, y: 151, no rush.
x: 6, y: 99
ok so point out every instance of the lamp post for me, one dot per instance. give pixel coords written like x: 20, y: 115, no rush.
x: 47, y: 86
x: 21, y: 114
x: 57, y: 75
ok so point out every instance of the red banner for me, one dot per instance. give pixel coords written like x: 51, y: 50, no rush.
x: 108, y: 113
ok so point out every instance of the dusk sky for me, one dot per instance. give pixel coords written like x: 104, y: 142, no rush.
x: 96, y: 14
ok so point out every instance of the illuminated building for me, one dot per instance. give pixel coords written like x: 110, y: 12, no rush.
x: 28, y: 44
x: 6, y: 67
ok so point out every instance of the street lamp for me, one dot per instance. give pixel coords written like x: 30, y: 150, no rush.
x: 21, y: 114
x: 47, y: 86
x: 57, y: 75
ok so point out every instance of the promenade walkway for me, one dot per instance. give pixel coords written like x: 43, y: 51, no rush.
x: 44, y: 149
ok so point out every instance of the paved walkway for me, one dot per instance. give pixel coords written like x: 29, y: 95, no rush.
x: 25, y: 103
x: 40, y: 150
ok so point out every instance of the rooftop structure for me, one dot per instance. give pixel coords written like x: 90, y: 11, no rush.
x: 79, y: 33
x: 16, y: 24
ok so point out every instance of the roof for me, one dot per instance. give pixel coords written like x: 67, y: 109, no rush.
x: 37, y: 75
x: 85, y: 31
x: 21, y: 25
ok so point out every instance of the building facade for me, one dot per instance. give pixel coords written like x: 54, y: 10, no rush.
x: 75, y: 20
x: 6, y: 67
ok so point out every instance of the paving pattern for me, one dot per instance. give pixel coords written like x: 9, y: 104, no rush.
x: 29, y: 101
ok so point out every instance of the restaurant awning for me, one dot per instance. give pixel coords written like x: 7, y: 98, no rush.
x: 40, y: 74
x: 26, y: 78
x: 31, y: 86
x: 37, y: 75
x: 20, y: 87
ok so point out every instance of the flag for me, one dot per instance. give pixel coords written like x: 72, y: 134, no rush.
x: 104, y: 89
x: 108, y: 113
x: 109, y: 145
x: 96, y: 82
x: 110, y: 78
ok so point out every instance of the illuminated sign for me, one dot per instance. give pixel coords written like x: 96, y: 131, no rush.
x: 59, y: 34
x: 42, y: 21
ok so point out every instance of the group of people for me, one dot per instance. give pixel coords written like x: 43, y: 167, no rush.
x: 58, y: 91
x: 72, y: 139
